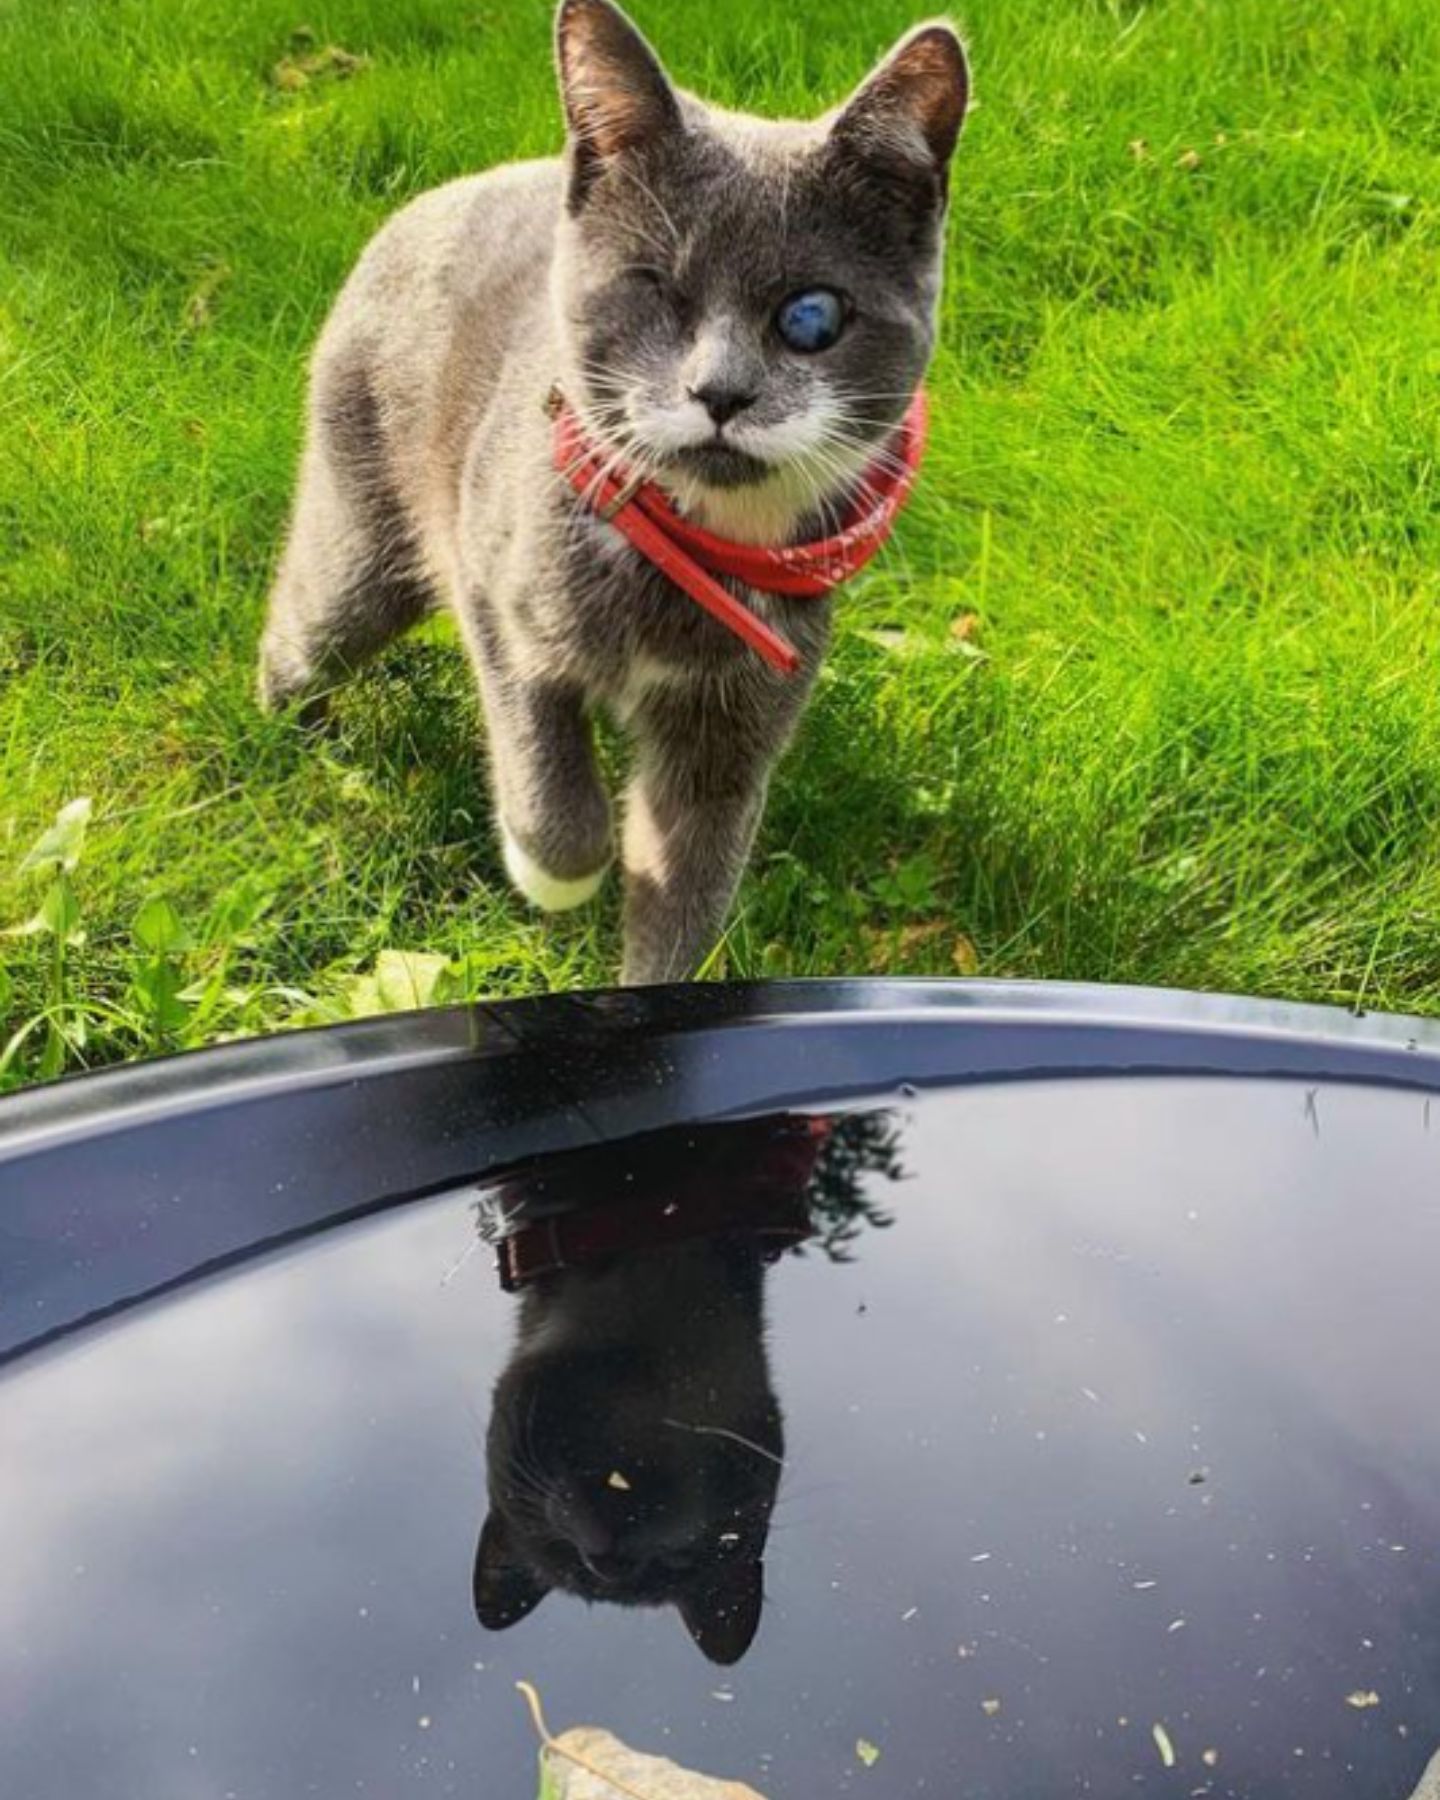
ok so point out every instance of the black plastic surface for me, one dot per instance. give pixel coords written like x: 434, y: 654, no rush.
x: 115, y: 1185
x: 1086, y: 1447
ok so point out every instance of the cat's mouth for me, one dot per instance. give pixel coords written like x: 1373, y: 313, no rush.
x: 719, y: 463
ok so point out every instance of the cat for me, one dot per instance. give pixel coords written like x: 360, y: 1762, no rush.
x: 742, y: 310
x: 636, y: 1442
x: 604, y: 1359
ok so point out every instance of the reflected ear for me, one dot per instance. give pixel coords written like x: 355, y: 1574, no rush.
x: 906, y: 115
x: 724, y: 1616
x: 616, y: 94
x: 505, y: 1589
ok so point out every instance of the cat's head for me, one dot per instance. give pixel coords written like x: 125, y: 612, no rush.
x: 749, y: 305
x: 596, y: 1490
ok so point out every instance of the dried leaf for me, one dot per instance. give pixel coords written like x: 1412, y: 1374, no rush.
x: 1429, y: 1788
x: 297, y: 71
x: 868, y: 1753
x: 922, y: 942
x: 200, y: 307
x: 893, y: 640
x: 589, y: 1764
x: 408, y: 978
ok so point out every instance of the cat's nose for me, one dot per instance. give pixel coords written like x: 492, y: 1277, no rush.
x: 722, y: 402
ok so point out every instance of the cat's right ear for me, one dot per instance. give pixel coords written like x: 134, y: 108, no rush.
x: 505, y: 1590
x: 617, y: 97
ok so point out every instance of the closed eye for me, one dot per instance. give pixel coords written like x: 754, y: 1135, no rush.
x: 651, y: 277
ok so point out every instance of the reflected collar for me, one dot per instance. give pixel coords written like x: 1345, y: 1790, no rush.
x: 768, y: 1201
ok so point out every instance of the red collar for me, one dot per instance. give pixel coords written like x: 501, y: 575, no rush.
x: 692, y: 557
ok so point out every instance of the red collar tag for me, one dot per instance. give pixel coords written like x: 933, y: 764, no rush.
x: 692, y: 558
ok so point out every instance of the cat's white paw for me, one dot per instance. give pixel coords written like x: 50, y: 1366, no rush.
x: 551, y: 893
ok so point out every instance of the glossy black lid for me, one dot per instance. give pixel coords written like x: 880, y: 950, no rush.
x: 1029, y: 1386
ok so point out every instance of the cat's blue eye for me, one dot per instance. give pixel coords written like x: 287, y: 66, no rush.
x: 811, y: 321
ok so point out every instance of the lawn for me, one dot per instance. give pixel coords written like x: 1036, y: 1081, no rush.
x: 1145, y: 690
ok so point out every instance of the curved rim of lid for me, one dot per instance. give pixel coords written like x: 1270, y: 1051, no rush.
x: 276, y: 1138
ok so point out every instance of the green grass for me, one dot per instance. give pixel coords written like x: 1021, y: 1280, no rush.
x: 1182, y: 493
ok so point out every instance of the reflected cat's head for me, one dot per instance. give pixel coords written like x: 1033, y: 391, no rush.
x: 635, y: 1443
x: 596, y: 1490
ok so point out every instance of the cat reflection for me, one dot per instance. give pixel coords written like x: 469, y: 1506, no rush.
x: 636, y: 1442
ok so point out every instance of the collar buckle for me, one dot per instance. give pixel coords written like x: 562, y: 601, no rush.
x: 621, y: 499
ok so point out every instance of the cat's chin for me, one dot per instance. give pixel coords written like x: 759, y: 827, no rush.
x: 720, y: 465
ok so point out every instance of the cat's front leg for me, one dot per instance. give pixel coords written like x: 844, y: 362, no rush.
x: 553, y: 811
x: 691, y: 813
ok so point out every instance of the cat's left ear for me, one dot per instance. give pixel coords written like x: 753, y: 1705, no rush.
x: 505, y: 1589
x: 724, y: 1615
x: 617, y: 97
x: 906, y: 115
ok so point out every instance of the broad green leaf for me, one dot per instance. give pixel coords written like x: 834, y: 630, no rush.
x: 60, y: 909
x: 238, y: 910
x: 59, y: 915
x: 159, y: 929
x: 157, y: 986
x: 60, y: 846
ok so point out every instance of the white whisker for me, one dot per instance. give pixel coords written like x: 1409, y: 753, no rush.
x: 722, y: 1431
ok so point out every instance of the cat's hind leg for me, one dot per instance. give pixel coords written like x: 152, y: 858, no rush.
x: 349, y: 579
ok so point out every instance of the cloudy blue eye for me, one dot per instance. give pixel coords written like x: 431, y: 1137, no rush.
x: 811, y: 321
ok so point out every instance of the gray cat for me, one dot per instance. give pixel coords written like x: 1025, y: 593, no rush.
x: 739, y: 309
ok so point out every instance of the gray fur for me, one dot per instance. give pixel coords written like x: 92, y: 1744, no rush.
x: 642, y: 267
